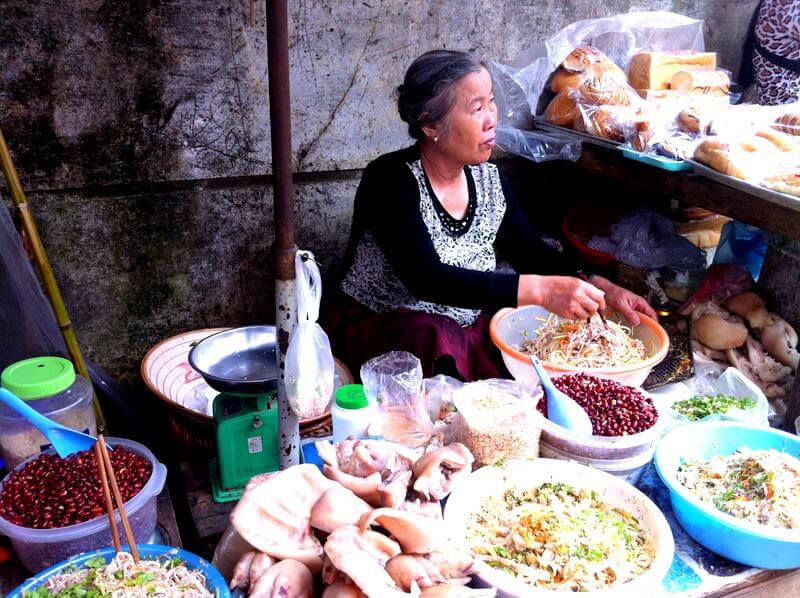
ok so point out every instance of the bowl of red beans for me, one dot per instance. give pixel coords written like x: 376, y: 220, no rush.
x: 626, y: 426
x: 52, y: 508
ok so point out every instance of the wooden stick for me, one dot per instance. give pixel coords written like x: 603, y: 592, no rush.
x: 101, y: 466
x: 118, y: 498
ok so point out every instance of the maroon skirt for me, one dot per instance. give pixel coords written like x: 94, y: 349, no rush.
x: 358, y: 334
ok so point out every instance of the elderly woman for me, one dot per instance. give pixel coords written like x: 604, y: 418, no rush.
x: 429, y: 224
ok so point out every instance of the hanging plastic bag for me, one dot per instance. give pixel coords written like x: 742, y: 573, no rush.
x: 742, y: 244
x: 309, y: 372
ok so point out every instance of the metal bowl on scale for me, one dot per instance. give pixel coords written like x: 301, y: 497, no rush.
x: 240, y: 361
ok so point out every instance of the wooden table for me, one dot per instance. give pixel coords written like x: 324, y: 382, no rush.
x: 12, y: 573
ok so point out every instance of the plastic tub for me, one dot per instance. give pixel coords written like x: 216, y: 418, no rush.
x: 51, y: 387
x: 41, y: 548
x: 608, y: 448
x: 470, y: 492
x: 509, y: 327
x: 214, y: 581
x: 747, y: 543
x: 630, y: 470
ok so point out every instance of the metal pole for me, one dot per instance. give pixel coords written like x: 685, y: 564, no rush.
x: 46, y: 271
x: 281, y: 134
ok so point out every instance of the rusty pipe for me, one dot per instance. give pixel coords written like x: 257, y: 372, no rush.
x: 284, y: 249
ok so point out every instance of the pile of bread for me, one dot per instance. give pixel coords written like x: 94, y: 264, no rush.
x: 593, y: 94
x: 676, y: 104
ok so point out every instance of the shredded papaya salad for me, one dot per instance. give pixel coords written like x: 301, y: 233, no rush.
x: 760, y: 486
x: 585, y: 343
x: 559, y: 538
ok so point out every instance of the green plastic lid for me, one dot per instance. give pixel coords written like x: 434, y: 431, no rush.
x: 38, y: 377
x: 351, y: 396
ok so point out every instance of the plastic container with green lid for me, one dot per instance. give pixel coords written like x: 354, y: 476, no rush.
x: 51, y: 386
x: 352, y: 412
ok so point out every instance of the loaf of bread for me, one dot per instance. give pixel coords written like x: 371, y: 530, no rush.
x: 701, y: 80
x: 600, y: 86
x: 788, y: 123
x: 654, y: 70
x: 563, y: 80
x: 561, y: 110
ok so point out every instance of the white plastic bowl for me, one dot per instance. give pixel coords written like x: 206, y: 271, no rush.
x: 604, y: 447
x: 509, y: 327
x: 42, y: 548
x: 470, y: 492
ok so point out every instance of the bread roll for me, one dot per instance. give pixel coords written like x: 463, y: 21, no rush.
x: 564, y: 80
x: 689, y: 121
x: 716, y: 154
x: 785, y: 143
x: 700, y: 79
x: 600, y: 88
x: 605, y: 122
x: 561, y: 110
x: 788, y: 123
x: 582, y: 58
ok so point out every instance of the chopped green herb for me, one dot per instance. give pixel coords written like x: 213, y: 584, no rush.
x: 95, y: 562
x: 702, y: 406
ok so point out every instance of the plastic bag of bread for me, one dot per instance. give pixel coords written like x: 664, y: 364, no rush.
x: 617, y: 38
x: 608, y: 122
x: 749, y: 158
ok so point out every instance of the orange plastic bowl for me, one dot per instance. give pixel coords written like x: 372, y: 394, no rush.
x: 582, y: 223
x: 509, y: 327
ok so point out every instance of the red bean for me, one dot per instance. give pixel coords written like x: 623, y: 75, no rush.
x: 51, y: 492
x: 615, y: 409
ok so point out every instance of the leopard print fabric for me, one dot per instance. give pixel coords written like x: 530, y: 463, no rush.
x: 778, y: 30
x: 371, y: 280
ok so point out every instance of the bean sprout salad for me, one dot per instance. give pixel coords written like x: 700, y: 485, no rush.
x: 123, y: 578
x: 585, y: 343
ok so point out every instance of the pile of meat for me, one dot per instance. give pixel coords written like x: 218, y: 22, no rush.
x: 741, y: 332
x: 371, y: 525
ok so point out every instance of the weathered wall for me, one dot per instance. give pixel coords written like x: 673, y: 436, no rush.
x: 141, y: 132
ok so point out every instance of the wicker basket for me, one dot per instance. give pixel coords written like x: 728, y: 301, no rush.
x: 166, y: 371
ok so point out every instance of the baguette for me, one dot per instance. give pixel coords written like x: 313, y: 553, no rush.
x: 716, y: 154
x: 700, y: 79
x: 785, y: 143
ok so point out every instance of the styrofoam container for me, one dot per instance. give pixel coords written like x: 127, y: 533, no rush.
x: 607, y: 448
x: 509, y: 327
x: 472, y: 490
x: 630, y: 470
x: 38, y: 549
x: 215, y: 583
x: 747, y: 543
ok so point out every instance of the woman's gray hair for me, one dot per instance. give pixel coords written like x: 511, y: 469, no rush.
x: 428, y: 90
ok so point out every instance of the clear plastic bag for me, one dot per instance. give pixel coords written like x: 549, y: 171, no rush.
x: 309, y: 369
x: 537, y: 145
x: 618, y: 37
x: 394, y: 381
x: 646, y: 239
x: 500, y: 420
x: 708, y: 381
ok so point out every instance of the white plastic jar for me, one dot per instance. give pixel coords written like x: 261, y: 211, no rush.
x: 352, y: 412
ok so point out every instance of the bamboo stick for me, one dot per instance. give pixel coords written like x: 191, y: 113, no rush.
x: 46, y: 271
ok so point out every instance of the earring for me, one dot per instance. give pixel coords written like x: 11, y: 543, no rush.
x: 436, y: 140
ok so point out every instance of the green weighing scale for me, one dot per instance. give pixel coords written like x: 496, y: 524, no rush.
x: 241, y: 364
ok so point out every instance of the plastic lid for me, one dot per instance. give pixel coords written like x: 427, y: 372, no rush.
x: 38, y: 377
x: 351, y: 396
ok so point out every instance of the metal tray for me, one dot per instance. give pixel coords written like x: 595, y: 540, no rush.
x: 782, y: 199
x: 579, y: 135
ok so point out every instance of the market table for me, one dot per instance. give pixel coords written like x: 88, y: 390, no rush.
x: 696, y: 572
x: 12, y: 573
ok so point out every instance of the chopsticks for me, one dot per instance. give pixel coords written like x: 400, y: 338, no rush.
x: 583, y: 277
x: 107, y: 478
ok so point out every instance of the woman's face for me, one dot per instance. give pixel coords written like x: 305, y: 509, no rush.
x: 468, y: 133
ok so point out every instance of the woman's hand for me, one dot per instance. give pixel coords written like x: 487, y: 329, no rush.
x: 565, y: 296
x: 624, y: 301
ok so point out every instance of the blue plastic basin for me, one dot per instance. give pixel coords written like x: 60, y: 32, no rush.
x: 746, y: 543
x: 214, y: 580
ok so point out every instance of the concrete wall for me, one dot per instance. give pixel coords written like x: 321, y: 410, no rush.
x: 141, y: 132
